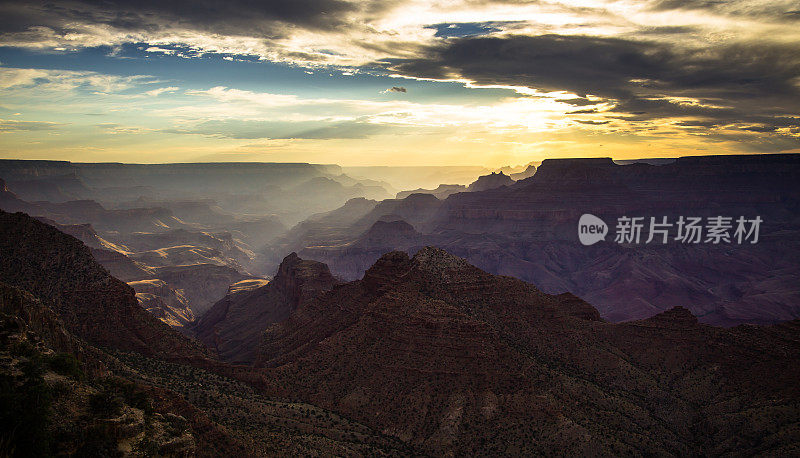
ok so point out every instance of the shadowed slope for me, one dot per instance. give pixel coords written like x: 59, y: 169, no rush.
x: 94, y: 305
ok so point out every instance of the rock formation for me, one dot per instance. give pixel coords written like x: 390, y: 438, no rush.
x: 233, y: 326
x: 491, y: 181
x: 453, y: 360
x: 441, y: 192
x: 529, y: 230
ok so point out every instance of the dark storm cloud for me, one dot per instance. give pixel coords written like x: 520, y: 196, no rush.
x: 579, y: 101
x: 579, y: 64
x: 396, y: 89
x: 754, y: 82
x: 612, y: 67
x: 232, y: 17
x: 593, y: 123
x: 586, y: 111
x: 669, y: 30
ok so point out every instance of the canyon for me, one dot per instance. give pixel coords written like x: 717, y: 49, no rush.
x: 424, y: 355
x: 529, y: 230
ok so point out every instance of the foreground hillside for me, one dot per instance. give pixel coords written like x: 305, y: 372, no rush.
x: 58, y: 268
x: 454, y: 360
x: 60, y: 398
x: 85, y: 371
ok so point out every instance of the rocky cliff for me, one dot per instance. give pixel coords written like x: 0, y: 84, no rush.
x: 234, y: 325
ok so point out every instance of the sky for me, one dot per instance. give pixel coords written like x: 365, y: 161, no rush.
x: 392, y: 82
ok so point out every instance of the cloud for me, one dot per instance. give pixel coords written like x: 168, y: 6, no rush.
x: 609, y: 67
x: 784, y: 10
x: 114, y: 128
x: 728, y: 70
x: 271, y: 29
x: 9, y: 125
x: 264, y: 99
x: 233, y: 17
x: 162, y: 90
x: 751, y: 83
x: 45, y: 80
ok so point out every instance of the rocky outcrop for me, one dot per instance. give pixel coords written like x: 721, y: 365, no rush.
x: 235, y: 324
x: 452, y: 360
x: 529, y: 171
x: 415, y: 209
x: 61, y: 397
x: 491, y: 181
x: 441, y: 192
x: 32, y: 317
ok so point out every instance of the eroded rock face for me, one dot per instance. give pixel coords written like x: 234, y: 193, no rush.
x: 528, y: 230
x: 451, y: 359
x: 431, y: 275
x: 162, y: 301
x: 94, y: 305
x: 234, y: 325
x: 201, y: 284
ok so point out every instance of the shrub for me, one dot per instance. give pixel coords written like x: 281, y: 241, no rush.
x: 129, y: 392
x: 66, y: 364
x: 106, y: 403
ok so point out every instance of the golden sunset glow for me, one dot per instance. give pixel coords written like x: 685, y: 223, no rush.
x: 483, y: 83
